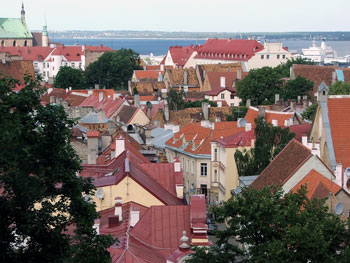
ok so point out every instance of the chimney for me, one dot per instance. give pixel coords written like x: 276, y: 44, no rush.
x: 92, y: 138
x: 292, y: 105
x: 90, y: 92
x: 101, y: 116
x: 162, y: 67
x: 205, y: 110
x: 248, y: 126
x: 119, y: 146
x: 52, y: 99
x: 97, y: 86
x: 277, y: 98
x: 134, y: 216
x: 239, y: 74
x: 339, y: 174
x: 304, y: 140
x: 185, y: 77
x: 261, y: 112
x: 100, y: 96
x: 219, y: 103
x: 137, y: 100
x: 97, y: 226
x: 299, y: 98
x: 166, y: 113
x: 70, y: 88
x: 248, y: 103
x: 222, y: 82
x: 334, y: 77
x: 118, y: 211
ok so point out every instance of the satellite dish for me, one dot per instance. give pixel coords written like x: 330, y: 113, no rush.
x: 100, y: 193
x: 347, y: 171
x: 339, y: 208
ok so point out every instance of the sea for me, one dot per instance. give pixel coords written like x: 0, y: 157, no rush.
x: 159, y: 47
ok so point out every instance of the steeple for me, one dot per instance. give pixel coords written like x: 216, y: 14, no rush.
x: 23, y: 14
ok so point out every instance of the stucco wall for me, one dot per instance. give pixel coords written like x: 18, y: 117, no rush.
x: 139, y: 118
x: 19, y: 42
x: 129, y: 190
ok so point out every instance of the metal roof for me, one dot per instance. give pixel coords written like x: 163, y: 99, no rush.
x: 14, y: 28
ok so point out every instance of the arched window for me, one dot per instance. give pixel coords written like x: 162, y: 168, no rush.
x: 14, y: 43
x: 2, y: 43
x: 25, y: 43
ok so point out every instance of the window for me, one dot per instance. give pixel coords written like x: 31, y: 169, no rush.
x: 25, y: 43
x: 192, y: 167
x: 53, y: 59
x: 183, y: 164
x: 66, y: 64
x: 14, y: 43
x: 284, y: 56
x: 232, y: 96
x: 35, y: 64
x: 222, y: 96
x: 278, y: 56
x: 48, y: 65
x: 188, y: 166
x: 215, y: 176
x: 262, y: 56
x: 73, y: 65
x: 204, y: 169
x: 215, y: 154
x: 53, y: 68
x: 267, y: 56
x: 2, y: 43
x: 79, y: 65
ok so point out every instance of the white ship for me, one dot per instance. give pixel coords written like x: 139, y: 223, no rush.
x: 323, y: 54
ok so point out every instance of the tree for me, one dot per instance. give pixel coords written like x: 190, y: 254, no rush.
x: 260, y: 85
x: 277, y: 227
x: 340, y: 88
x: 175, y: 100
x: 310, y: 112
x: 41, y: 195
x: 270, y: 141
x: 69, y: 77
x: 284, y: 69
x: 296, y: 87
x: 113, y: 69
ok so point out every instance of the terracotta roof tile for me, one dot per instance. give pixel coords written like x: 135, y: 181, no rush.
x: 148, y: 87
x: 214, y: 78
x: 180, y: 55
x: 28, y: 53
x: 339, y: 118
x: 147, y: 74
x: 281, y: 117
x: 93, y: 134
x: 126, y: 113
x: 177, y: 77
x: 317, y: 185
x: 284, y: 165
x: 229, y: 49
x: 17, y: 69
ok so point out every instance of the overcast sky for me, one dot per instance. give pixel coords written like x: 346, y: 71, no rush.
x: 184, y: 15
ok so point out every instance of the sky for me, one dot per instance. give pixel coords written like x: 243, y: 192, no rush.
x: 184, y: 15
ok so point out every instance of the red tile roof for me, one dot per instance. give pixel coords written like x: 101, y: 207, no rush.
x: 108, y: 105
x: 230, y: 77
x: 71, y: 53
x: 93, y: 134
x: 283, y: 166
x: 155, y: 108
x: 148, y: 98
x: 17, y: 70
x: 241, y: 139
x: 253, y: 113
x: 203, y: 136
x: 180, y: 55
x: 339, y: 112
x: 217, y: 91
x: 316, y: 184
x: 300, y: 130
x: 229, y: 49
x: 165, y: 175
x: 147, y: 74
x: 28, y: 53
x: 98, y: 48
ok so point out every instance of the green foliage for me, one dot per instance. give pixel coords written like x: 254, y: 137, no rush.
x: 296, y: 87
x: 278, y: 227
x: 41, y: 193
x: 135, y: 91
x: 340, y: 88
x: 270, y: 141
x: 260, y: 85
x: 310, y: 112
x: 113, y: 69
x: 69, y: 77
x: 284, y: 69
x: 198, y: 103
x: 175, y: 100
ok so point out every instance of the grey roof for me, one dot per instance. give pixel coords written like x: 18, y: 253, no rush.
x: 245, y: 181
x: 329, y: 138
x: 92, y: 118
x: 137, y: 137
x: 160, y: 136
x: 81, y: 128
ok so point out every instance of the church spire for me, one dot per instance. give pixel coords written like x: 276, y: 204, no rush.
x: 23, y: 14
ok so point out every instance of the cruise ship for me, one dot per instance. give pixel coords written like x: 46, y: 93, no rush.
x: 323, y: 54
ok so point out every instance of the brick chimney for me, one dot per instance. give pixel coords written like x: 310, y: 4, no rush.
x: 261, y: 112
x: 119, y: 146
x: 239, y: 74
x: 118, y: 211
x: 101, y: 116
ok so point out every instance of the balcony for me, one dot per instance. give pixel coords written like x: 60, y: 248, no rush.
x: 218, y: 185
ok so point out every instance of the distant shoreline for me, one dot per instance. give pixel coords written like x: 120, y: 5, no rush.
x: 130, y: 38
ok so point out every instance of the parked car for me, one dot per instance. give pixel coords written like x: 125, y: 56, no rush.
x: 212, y: 229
